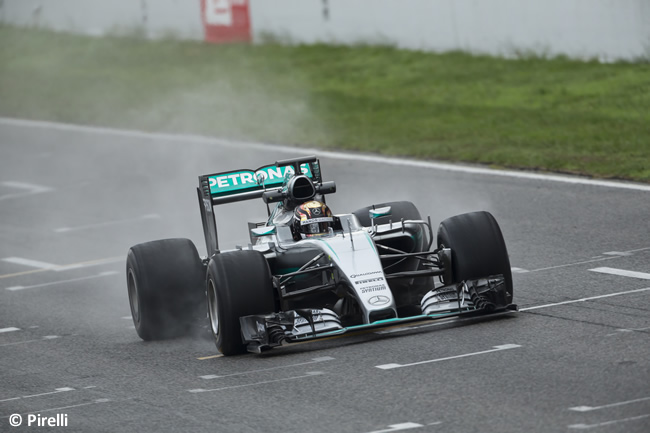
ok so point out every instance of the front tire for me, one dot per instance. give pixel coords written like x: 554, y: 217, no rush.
x: 165, y: 281
x: 239, y: 283
x: 477, y: 248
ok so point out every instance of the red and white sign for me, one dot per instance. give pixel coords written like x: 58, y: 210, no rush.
x: 226, y: 20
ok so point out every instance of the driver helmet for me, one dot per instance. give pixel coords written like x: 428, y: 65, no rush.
x: 312, y: 218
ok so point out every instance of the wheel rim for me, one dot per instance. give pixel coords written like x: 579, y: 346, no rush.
x: 133, y: 297
x: 213, y: 310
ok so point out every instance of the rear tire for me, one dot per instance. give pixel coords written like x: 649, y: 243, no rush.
x: 477, y: 248
x: 399, y: 210
x: 165, y: 283
x: 239, y: 283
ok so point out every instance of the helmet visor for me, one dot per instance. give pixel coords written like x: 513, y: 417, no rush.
x: 316, y: 226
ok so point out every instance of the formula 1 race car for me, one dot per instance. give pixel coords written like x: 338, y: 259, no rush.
x: 308, y: 273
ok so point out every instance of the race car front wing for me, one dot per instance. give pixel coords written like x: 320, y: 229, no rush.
x: 472, y: 297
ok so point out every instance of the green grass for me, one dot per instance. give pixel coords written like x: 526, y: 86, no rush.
x: 531, y: 113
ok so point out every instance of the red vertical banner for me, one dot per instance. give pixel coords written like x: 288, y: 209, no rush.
x: 226, y: 20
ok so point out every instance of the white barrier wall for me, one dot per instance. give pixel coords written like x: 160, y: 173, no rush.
x: 154, y: 18
x: 606, y: 29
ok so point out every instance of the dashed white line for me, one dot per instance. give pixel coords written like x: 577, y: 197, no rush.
x: 89, y: 264
x: 326, y: 154
x: 54, y: 283
x: 519, y: 270
x: 611, y: 255
x: 10, y: 329
x: 313, y: 361
x: 601, y: 424
x: 107, y: 223
x: 28, y: 262
x: 44, y: 267
x: 28, y: 186
x: 622, y: 273
x: 625, y: 330
x: 566, y: 265
x: 636, y: 250
x: 495, y: 349
x: 308, y: 374
x: 609, y: 295
x: 56, y: 391
x: 606, y: 406
x: 98, y: 401
x: 619, y: 332
x: 31, y: 189
x: 47, y: 337
x: 399, y: 427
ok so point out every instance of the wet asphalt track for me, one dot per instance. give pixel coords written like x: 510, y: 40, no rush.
x: 72, y: 201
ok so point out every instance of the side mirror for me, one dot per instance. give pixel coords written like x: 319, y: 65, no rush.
x: 263, y: 231
x: 380, y: 212
x: 273, y: 196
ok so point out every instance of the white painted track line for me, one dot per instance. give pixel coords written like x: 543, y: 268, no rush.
x: 609, y: 295
x: 30, y: 189
x: 400, y: 427
x: 56, y: 391
x: 28, y: 262
x: 622, y: 273
x: 606, y: 406
x: 610, y: 256
x: 15, y: 343
x: 89, y: 264
x: 313, y: 361
x: 28, y: 186
x: 42, y: 266
x: 626, y: 330
x: 495, y: 349
x: 309, y: 374
x: 60, y: 268
x: 10, y: 329
x: 54, y: 283
x: 98, y: 401
x: 324, y: 154
x: 602, y: 424
x: 566, y: 265
x: 107, y: 223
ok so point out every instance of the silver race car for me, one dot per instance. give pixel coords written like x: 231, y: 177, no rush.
x: 308, y: 273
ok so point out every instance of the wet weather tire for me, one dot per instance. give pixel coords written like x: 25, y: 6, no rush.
x: 166, y: 287
x: 399, y: 210
x: 477, y: 248
x: 239, y: 283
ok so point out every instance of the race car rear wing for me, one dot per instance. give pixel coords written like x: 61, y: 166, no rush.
x: 245, y: 184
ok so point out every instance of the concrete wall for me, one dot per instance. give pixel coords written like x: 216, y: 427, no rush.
x: 608, y: 29
x: 153, y: 18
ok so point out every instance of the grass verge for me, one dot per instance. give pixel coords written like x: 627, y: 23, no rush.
x: 531, y: 113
